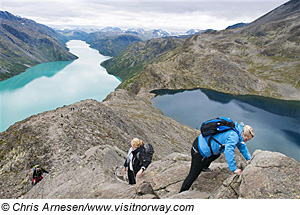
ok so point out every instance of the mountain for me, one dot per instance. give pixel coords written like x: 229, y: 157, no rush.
x: 194, y: 31
x: 111, y: 44
x: 158, y: 33
x: 149, y: 34
x: 111, y: 29
x: 138, y: 31
x: 84, y: 145
x: 132, y: 62
x: 238, y: 25
x: 25, y: 43
x: 74, y: 34
x: 261, y: 58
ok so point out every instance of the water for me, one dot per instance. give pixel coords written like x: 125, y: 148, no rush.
x: 51, y: 85
x: 276, y: 123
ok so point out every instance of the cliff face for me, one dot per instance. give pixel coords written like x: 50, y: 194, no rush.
x: 261, y: 58
x: 25, y: 43
x: 84, y: 146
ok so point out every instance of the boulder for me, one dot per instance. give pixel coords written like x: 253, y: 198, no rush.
x: 269, y: 175
x: 167, y: 175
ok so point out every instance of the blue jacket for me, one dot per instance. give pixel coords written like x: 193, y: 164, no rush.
x: 230, y: 139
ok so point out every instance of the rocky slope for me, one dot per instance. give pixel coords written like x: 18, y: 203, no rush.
x: 66, y: 139
x: 25, y: 43
x: 269, y: 176
x: 261, y: 58
x: 84, y: 146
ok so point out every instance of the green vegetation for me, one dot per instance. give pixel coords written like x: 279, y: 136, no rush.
x: 133, y: 61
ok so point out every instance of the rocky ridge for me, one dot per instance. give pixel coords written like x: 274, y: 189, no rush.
x: 84, y: 146
x: 63, y: 139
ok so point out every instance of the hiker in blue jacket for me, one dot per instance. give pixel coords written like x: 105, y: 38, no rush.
x: 203, y: 155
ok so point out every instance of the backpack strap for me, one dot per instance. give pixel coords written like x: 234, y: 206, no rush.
x: 138, y: 155
x: 212, y: 138
x: 209, y: 145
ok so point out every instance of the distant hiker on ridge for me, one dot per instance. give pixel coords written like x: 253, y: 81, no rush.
x: 138, y: 159
x: 217, y: 136
x: 37, y: 174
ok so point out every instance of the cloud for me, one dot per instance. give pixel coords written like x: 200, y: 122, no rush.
x: 174, y: 15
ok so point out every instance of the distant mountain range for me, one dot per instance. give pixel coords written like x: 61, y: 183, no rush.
x: 25, y: 43
x: 140, y: 32
x: 112, y: 41
x: 238, y: 25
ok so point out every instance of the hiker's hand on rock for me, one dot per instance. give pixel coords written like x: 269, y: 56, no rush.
x: 124, y: 169
x: 248, y: 161
x: 238, y: 171
x: 140, y: 173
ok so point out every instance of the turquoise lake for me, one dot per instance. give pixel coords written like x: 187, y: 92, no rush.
x: 276, y: 123
x: 51, y: 85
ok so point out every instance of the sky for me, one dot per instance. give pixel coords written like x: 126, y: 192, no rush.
x: 170, y: 15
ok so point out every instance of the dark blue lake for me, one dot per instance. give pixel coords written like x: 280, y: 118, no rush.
x: 276, y: 123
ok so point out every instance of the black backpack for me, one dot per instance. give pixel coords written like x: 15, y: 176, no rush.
x: 149, y: 151
x: 215, y: 126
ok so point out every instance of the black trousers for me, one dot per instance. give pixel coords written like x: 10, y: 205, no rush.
x: 198, y: 164
x: 131, y: 176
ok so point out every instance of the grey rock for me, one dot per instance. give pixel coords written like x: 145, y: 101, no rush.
x: 269, y: 175
x: 145, y: 188
x: 190, y: 194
